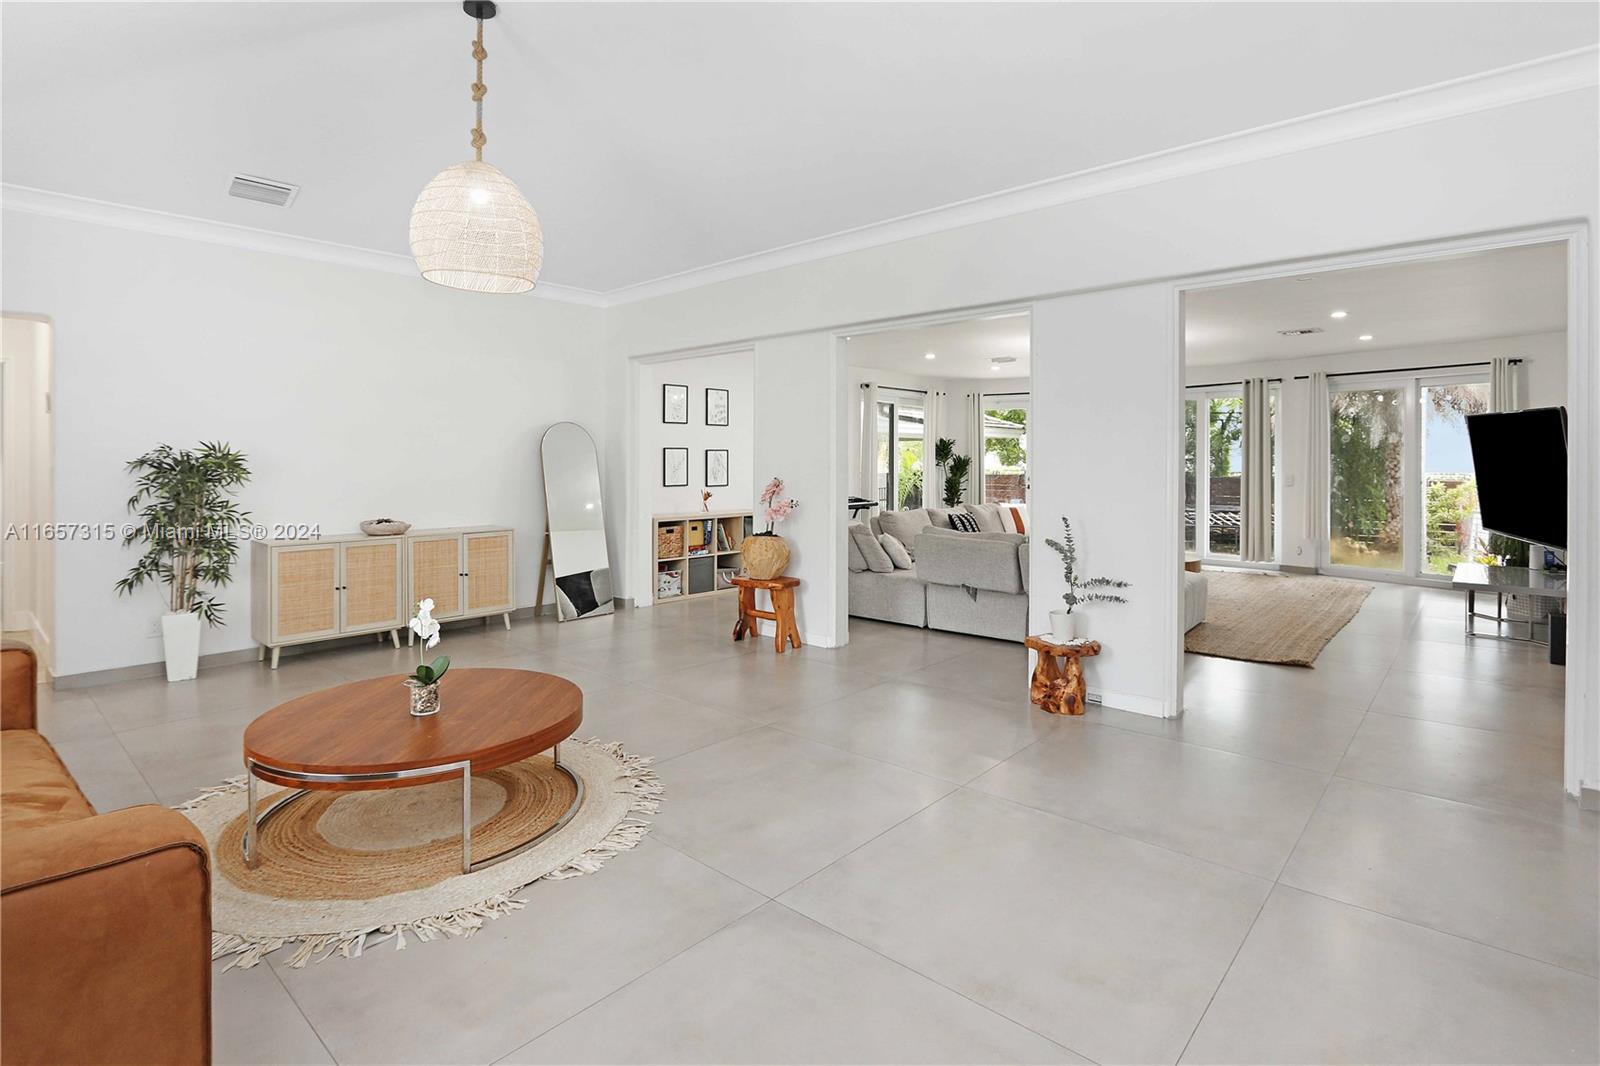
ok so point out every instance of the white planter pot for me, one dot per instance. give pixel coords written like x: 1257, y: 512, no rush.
x: 1063, y: 625
x: 180, y: 636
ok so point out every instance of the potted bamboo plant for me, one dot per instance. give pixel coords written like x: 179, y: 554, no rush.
x: 189, y: 527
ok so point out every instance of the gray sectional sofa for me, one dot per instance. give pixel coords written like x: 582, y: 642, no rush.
x: 973, y: 583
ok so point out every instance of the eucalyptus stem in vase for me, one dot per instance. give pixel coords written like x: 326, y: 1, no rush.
x: 424, y: 683
x: 1080, y: 589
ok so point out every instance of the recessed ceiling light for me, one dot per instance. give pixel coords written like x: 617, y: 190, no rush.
x: 992, y: 367
x: 1339, y: 314
x: 929, y: 355
x: 1365, y: 337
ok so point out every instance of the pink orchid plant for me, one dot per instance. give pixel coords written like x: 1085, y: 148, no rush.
x: 777, y: 509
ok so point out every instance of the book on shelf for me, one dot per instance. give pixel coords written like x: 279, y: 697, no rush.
x: 722, y: 539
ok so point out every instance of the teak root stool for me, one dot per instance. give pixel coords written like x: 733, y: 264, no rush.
x: 1058, y: 675
x: 782, y: 591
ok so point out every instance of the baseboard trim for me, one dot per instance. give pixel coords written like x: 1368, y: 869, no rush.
x: 1285, y: 568
x: 1589, y: 798
x: 141, y: 671
x: 1121, y: 701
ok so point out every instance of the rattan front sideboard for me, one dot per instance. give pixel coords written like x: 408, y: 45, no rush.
x: 303, y: 591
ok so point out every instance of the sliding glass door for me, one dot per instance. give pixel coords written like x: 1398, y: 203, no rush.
x: 900, y: 449
x: 1213, y: 476
x: 1402, y: 498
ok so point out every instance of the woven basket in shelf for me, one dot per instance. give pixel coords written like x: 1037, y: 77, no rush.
x: 669, y: 542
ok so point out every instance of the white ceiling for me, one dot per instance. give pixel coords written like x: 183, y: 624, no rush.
x: 961, y: 349
x: 1500, y: 293
x: 655, y: 139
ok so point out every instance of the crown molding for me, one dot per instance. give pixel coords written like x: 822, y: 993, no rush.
x: 1553, y: 75
x: 1547, y: 76
x: 166, y: 224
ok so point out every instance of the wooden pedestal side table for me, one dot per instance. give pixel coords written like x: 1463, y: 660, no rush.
x: 782, y: 613
x: 1058, y: 676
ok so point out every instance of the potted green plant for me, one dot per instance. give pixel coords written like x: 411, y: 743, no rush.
x: 1063, y: 623
x: 189, y: 527
x: 955, y: 468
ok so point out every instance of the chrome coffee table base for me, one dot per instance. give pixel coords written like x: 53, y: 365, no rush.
x: 316, y: 782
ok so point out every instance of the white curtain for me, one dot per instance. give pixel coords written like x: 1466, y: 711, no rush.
x: 1505, y: 392
x: 867, y: 476
x: 1315, y: 462
x: 973, y: 446
x: 1255, y: 499
x: 932, y: 486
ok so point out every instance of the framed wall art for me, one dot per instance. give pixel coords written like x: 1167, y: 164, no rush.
x: 675, y: 404
x: 674, y: 467
x: 716, y: 468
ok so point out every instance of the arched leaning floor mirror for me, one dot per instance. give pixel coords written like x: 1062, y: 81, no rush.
x: 575, y: 518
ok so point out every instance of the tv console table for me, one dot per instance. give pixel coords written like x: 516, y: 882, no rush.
x: 1503, y: 581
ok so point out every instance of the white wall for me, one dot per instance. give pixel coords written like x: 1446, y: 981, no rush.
x: 27, y: 573
x: 732, y: 371
x: 800, y: 385
x: 1544, y: 384
x: 1522, y: 164
x: 1114, y: 346
x: 354, y: 394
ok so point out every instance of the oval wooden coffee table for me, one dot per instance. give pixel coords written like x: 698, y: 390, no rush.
x: 362, y: 736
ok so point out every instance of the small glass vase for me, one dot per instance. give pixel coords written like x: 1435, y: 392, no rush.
x: 424, y: 698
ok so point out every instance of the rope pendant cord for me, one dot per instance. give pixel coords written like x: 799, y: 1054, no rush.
x: 478, y: 89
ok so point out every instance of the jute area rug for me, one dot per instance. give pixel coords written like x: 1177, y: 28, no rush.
x: 342, y: 871
x: 1273, y: 618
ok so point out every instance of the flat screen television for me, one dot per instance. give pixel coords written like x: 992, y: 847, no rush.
x: 1520, y: 461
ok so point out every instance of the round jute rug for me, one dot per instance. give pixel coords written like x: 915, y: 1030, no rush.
x: 341, y: 871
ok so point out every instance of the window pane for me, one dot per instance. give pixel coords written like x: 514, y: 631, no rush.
x: 1365, y: 502
x: 1452, y: 526
x: 908, y: 456
x: 1226, y: 458
x: 1190, y: 409
x: 1005, y: 452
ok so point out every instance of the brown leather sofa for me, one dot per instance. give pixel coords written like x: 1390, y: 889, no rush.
x: 105, y: 919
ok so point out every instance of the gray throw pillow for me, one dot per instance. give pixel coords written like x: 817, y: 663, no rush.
x: 904, y: 526
x: 877, y: 559
x: 854, y: 560
x: 898, y: 554
x: 988, y: 516
x: 939, y: 517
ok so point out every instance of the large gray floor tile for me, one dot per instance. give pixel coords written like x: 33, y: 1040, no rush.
x: 476, y: 999
x: 1501, y: 770
x: 769, y: 808
x: 182, y: 757
x: 1505, y: 708
x: 787, y: 990
x: 69, y: 715
x: 922, y: 728
x: 1320, y: 981
x: 1262, y: 726
x: 1501, y: 662
x: 1515, y: 882
x: 1039, y: 919
x: 104, y: 772
x: 652, y: 723
x: 246, y: 686
x: 995, y: 670
x: 759, y: 684
x: 1241, y: 812
x: 254, y: 1022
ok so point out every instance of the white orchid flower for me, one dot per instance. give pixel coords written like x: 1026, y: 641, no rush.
x: 424, y: 625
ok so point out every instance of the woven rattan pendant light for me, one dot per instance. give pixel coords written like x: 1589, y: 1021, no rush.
x: 471, y: 227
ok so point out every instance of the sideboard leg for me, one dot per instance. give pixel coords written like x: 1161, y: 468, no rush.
x: 507, y: 618
x: 261, y: 652
x: 275, y: 658
x: 394, y: 635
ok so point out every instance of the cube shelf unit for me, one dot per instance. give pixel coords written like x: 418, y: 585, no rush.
x: 696, y: 554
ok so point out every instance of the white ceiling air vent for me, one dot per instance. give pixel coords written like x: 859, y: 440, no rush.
x: 1002, y: 360
x: 1300, y: 332
x: 263, y: 190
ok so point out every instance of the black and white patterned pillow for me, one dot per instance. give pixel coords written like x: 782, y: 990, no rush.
x: 962, y: 522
